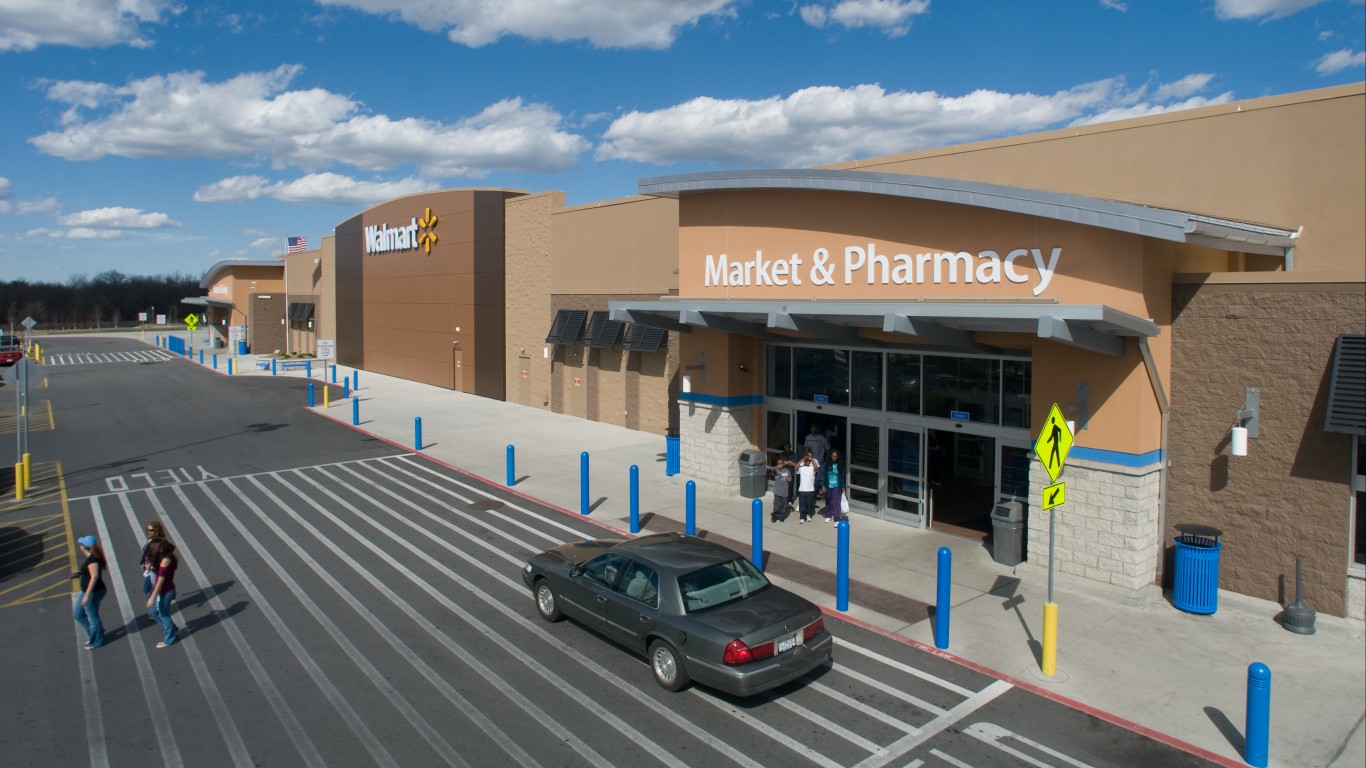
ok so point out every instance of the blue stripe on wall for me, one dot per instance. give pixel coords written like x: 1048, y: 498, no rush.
x: 697, y: 397
x: 1115, y: 457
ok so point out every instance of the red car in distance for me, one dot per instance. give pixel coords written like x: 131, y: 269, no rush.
x: 11, y: 351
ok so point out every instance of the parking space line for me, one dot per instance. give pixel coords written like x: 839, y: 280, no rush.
x: 939, y: 724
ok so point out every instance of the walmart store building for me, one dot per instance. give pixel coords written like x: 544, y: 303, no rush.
x: 1161, y: 279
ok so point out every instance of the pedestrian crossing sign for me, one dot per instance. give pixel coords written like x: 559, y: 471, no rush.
x: 191, y: 320
x: 1053, y: 443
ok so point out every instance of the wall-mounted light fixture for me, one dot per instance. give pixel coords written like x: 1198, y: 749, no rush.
x: 1247, y: 421
x: 744, y: 368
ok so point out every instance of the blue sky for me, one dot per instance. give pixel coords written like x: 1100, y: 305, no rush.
x: 160, y: 136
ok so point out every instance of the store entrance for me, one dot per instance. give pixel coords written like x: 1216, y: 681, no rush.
x: 961, y: 469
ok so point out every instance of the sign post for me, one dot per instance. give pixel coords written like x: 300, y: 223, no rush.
x: 1052, y: 446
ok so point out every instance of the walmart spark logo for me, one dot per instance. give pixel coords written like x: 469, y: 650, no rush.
x: 428, y: 238
x: 380, y: 238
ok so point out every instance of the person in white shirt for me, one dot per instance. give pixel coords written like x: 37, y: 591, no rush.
x: 806, y: 486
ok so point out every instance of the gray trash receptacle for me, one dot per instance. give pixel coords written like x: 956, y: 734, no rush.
x: 753, y: 474
x: 1007, y: 533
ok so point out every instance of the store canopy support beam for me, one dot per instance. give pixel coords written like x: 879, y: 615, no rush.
x: 723, y: 323
x: 1078, y: 335
x: 813, y: 327
x: 936, y: 333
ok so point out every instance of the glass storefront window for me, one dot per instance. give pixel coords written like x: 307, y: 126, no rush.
x: 903, y: 383
x: 778, y: 379
x: 821, y: 372
x: 1016, y: 375
x: 963, y: 384
x: 867, y: 380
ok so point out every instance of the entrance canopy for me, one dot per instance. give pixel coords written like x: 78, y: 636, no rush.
x: 947, y: 324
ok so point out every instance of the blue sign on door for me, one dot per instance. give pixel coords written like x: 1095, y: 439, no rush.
x: 960, y: 415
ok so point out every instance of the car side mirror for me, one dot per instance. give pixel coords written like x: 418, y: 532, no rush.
x: 576, y: 572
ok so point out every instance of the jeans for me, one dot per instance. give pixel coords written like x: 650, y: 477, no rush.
x: 161, y: 613
x: 88, y: 616
x: 806, y: 504
x: 832, y: 504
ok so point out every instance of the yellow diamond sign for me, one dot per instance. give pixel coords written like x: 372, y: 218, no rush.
x: 1054, y: 441
x: 191, y: 320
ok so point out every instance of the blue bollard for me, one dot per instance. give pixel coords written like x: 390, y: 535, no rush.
x: 355, y: 379
x: 583, y: 483
x: 1258, y: 714
x: 417, y: 431
x: 941, y: 606
x: 310, y: 394
x: 158, y: 338
x: 512, y: 466
x: 215, y: 361
x: 842, y: 568
x: 272, y: 366
x: 635, y: 499
x: 334, y: 374
x: 201, y: 357
x: 346, y: 387
x: 355, y: 412
x: 308, y: 369
x: 230, y: 365
x: 756, y: 513
x: 690, y: 506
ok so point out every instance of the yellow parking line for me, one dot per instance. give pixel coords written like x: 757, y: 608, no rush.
x: 9, y: 550
x: 51, y: 420
x: 66, y: 515
x: 35, y: 578
x: 39, y: 518
x: 34, y: 598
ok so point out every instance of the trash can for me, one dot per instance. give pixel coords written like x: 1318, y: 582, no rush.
x: 241, y: 347
x: 672, y: 452
x: 1007, y: 533
x: 753, y: 474
x: 1195, y: 581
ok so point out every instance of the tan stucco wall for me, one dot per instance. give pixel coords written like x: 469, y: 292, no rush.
x: 1282, y: 161
x: 238, y: 283
x: 626, y: 246
x: 528, y: 312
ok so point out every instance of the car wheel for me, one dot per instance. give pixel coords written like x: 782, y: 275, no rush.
x: 667, y: 666
x: 547, y: 602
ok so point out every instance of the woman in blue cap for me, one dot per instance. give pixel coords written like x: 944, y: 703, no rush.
x: 87, y: 609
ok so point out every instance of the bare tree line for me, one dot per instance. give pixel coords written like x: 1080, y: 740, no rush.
x: 109, y: 299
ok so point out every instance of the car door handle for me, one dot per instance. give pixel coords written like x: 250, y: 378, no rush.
x: 643, y: 617
x: 602, y: 599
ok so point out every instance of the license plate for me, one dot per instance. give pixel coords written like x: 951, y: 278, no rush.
x: 787, y: 643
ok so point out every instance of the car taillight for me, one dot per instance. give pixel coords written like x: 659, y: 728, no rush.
x: 738, y: 653
x: 813, y: 629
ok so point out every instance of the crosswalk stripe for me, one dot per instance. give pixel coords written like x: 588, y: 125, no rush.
x: 302, y: 743
x: 353, y: 719
x: 161, y: 723
x: 90, y: 701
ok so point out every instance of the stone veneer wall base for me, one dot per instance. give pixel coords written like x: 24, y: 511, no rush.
x: 1107, y: 529
x: 711, y: 438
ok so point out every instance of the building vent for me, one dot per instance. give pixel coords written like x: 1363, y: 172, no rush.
x: 1347, y: 392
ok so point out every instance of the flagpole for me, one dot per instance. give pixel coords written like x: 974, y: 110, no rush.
x: 287, y: 328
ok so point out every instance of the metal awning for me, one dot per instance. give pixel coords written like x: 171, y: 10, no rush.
x: 205, y: 301
x: 1160, y: 223
x: 1094, y: 327
x: 1347, y: 388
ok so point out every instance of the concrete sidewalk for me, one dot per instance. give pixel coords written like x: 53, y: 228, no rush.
x: 1129, y: 654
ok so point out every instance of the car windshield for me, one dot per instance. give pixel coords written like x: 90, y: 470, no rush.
x: 719, y: 584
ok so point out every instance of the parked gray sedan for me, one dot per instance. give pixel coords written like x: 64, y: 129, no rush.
x: 697, y: 610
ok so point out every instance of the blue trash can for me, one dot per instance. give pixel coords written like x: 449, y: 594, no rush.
x: 672, y: 451
x: 241, y: 347
x: 1195, y: 582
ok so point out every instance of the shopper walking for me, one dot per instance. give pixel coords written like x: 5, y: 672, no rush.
x: 834, y: 486
x: 806, y: 487
x: 163, y: 590
x: 782, y: 491
x: 86, y: 612
x: 154, y: 531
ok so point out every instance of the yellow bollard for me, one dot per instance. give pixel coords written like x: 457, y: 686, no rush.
x: 28, y: 470
x: 1050, y: 639
x: 19, y: 481
x: 327, y: 391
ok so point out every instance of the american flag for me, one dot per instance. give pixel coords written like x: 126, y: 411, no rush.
x: 297, y: 244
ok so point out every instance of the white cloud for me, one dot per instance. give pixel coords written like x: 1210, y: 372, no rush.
x: 253, y: 116
x: 1115, y: 5
x: 829, y: 124
x: 6, y: 191
x: 1256, y: 9
x: 1187, y: 86
x: 1340, y: 60
x: 117, y: 218
x: 603, y: 23
x: 893, y: 17
x: 1145, y: 108
x: 80, y: 23
x: 265, y: 243
x: 42, y: 205
x: 313, y: 188
x: 86, y: 233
